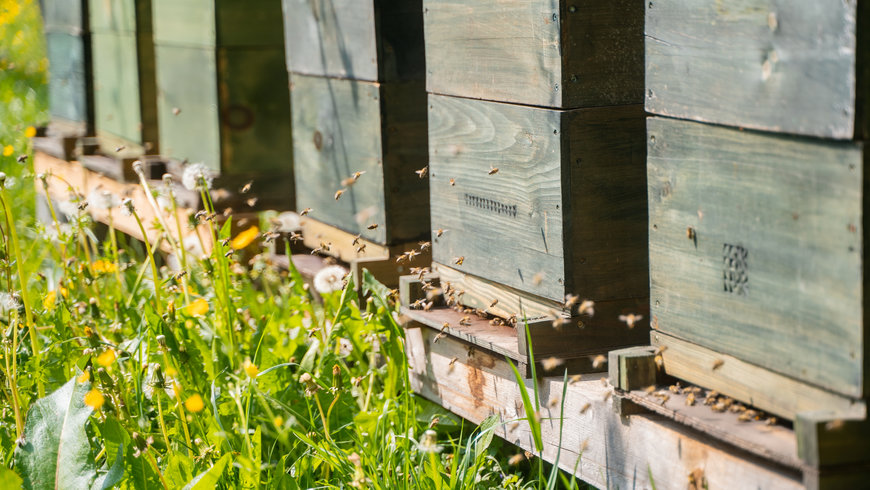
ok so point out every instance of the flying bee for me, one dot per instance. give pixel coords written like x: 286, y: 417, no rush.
x: 176, y: 111
x: 554, y: 402
x: 295, y: 237
x: 513, y: 426
x: 598, y: 361
x: 571, y: 300
x: 305, y: 212
x: 575, y: 379
x: 428, y: 305
x: 585, y: 408
x: 21, y: 158
x: 493, y: 170
x: 418, y: 303
x: 631, y: 319
x: 717, y: 364
x: 372, y: 226
x: 120, y: 149
x: 516, y: 459
x: 537, y: 278
x: 422, y: 172
x: 452, y: 361
x: 649, y: 389
x: 458, y: 260
x: 424, y: 246
x: 227, y: 211
x: 338, y: 194
x: 355, y: 240
x: 835, y: 424
x: 252, y: 201
x: 439, y: 232
x: 247, y: 187
x: 438, y: 337
x: 494, y: 302
x: 587, y: 307
x: 551, y: 363
x: 560, y: 322
x: 608, y: 394
x: 452, y: 181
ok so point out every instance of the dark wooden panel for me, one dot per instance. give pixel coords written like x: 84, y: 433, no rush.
x: 374, y: 40
x: 542, y: 52
x: 764, y: 64
x: 755, y: 248
x: 565, y: 211
x: 343, y: 126
x: 218, y: 22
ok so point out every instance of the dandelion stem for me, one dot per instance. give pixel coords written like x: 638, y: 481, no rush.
x: 157, y: 304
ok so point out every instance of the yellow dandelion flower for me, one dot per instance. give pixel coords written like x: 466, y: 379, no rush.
x: 94, y: 399
x: 171, y: 371
x: 49, y: 300
x: 106, y: 358
x: 84, y: 377
x: 250, y: 368
x: 245, y: 238
x: 8, y: 150
x: 64, y: 292
x: 278, y: 421
x: 30, y: 132
x: 104, y: 266
x: 194, y: 403
x: 198, y: 308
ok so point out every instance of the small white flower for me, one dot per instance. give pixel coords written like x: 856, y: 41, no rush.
x: 10, y: 182
x: 429, y: 442
x: 330, y: 279
x: 196, y: 175
x: 8, y: 302
x: 345, y: 347
x: 287, y: 222
x: 103, y: 199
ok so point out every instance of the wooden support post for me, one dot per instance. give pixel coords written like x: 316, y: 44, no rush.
x: 632, y: 368
x: 825, y: 440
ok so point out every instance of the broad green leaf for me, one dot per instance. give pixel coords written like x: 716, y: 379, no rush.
x: 487, y: 430
x: 56, y: 452
x: 9, y: 479
x: 137, y: 472
x: 116, y: 472
x: 208, y: 479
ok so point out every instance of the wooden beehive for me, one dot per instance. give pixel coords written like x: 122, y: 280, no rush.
x: 762, y: 64
x: 125, y: 92
x: 222, y: 92
x: 547, y: 53
x: 68, y: 46
x: 372, y: 40
x: 544, y: 202
x: 341, y: 127
x: 756, y: 268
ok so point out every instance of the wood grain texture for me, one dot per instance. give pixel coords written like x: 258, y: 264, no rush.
x: 620, y: 452
x: 372, y: 40
x: 632, y: 368
x: 773, y: 272
x: 345, y: 126
x: 544, y: 52
x: 561, y: 192
x: 755, y: 63
x: 225, y: 23
x: 776, y: 443
x: 749, y: 383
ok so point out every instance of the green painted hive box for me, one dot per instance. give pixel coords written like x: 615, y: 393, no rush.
x: 756, y: 259
x: 541, y: 201
x: 372, y: 40
x: 342, y: 127
x: 763, y: 64
x: 68, y: 41
x: 125, y: 94
x: 549, y: 53
x: 222, y: 92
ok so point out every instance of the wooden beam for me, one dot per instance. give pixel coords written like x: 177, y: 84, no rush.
x: 824, y: 439
x: 601, y: 447
x: 632, y: 368
x: 762, y: 388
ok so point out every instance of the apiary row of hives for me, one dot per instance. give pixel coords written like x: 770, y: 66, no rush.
x: 591, y: 175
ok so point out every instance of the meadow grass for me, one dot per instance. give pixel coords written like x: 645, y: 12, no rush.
x: 221, y: 372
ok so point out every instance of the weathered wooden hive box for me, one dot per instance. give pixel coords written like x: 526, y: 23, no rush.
x: 757, y: 238
x: 537, y: 174
x: 222, y: 94
x: 68, y: 45
x: 125, y: 92
x: 359, y: 116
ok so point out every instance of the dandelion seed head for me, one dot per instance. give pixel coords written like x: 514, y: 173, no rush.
x: 9, y: 302
x: 429, y: 442
x: 197, y: 177
x: 330, y: 279
x: 103, y: 199
x: 287, y: 222
x: 127, y: 207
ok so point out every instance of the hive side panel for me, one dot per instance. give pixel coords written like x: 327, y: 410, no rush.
x: 763, y: 64
x: 755, y: 248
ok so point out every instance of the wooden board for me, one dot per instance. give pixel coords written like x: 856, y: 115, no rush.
x: 561, y: 192
x: 772, y: 273
x: 341, y: 127
x: 222, y: 23
x: 759, y: 387
x: 607, y: 450
x: 372, y: 40
x: 69, y: 93
x: 64, y: 14
x: 754, y: 63
x: 542, y: 52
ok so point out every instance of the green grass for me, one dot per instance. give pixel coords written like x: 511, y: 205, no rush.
x: 225, y: 373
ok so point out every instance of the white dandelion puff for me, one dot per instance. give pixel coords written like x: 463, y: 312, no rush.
x: 127, y: 208
x: 345, y: 347
x: 68, y: 208
x: 103, y: 199
x: 330, y: 279
x: 429, y: 442
x: 287, y: 222
x: 196, y: 176
x: 8, y: 302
